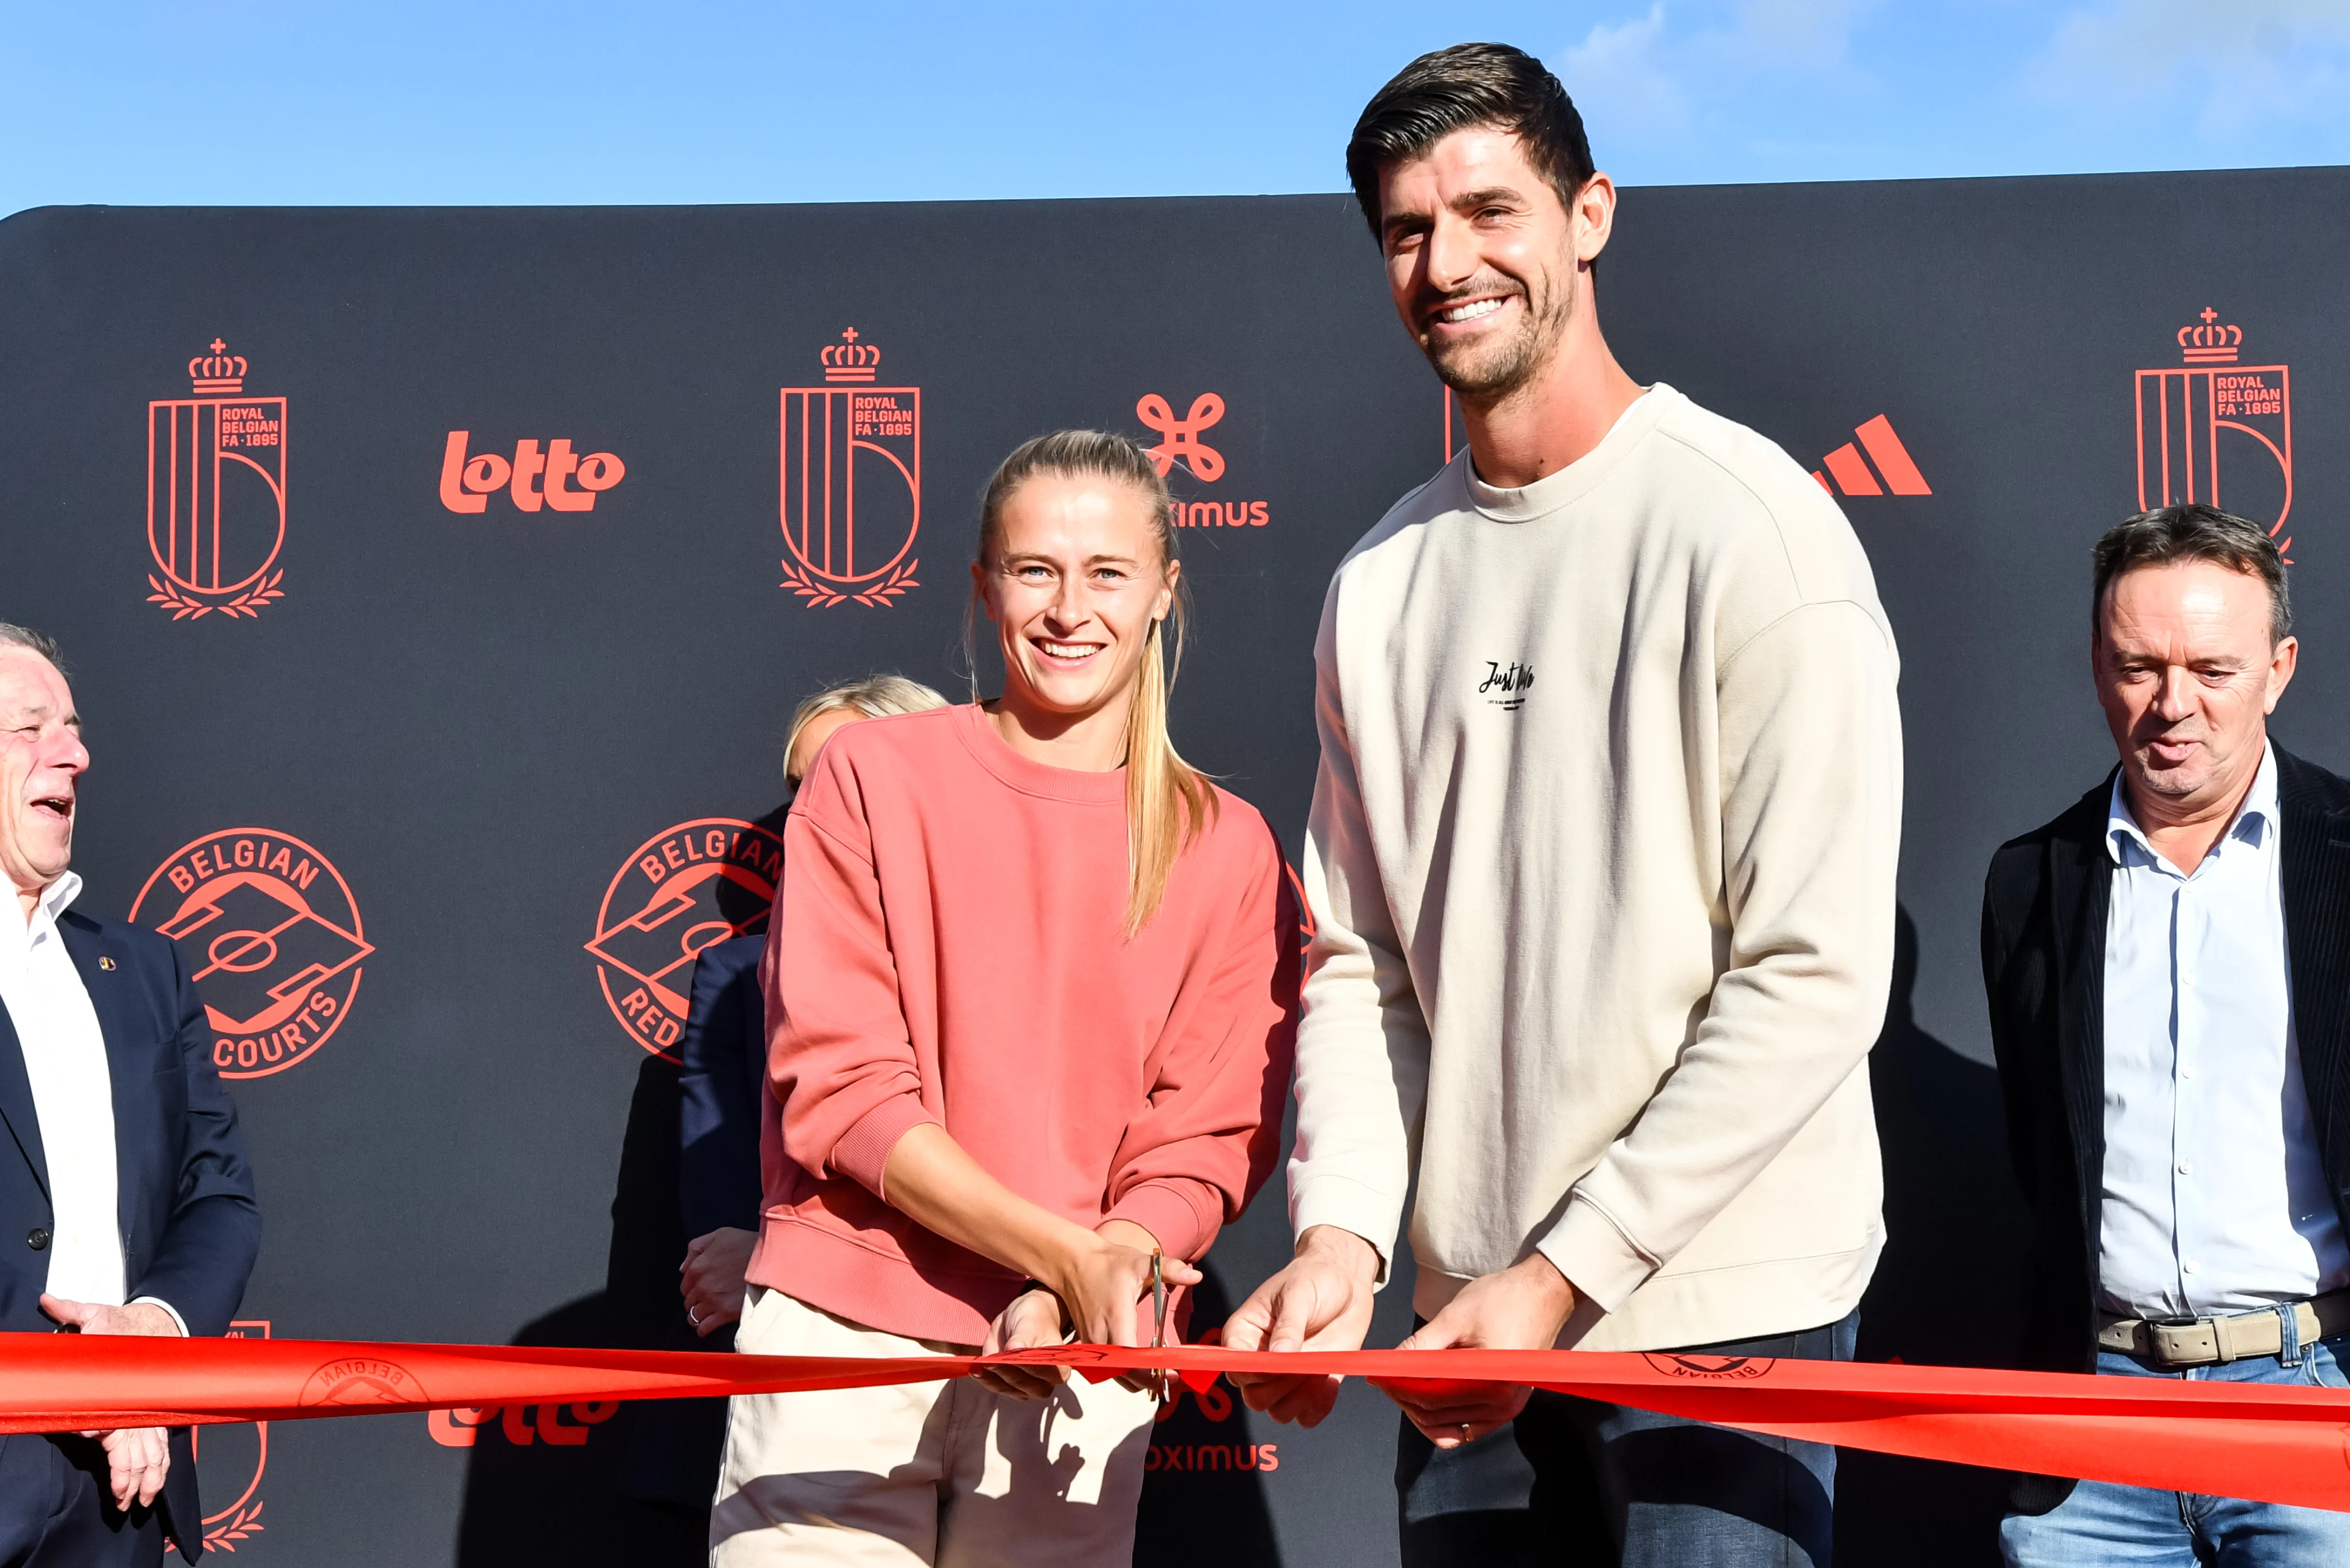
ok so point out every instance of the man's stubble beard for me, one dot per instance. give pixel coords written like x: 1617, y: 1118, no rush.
x: 2174, y: 784
x: 1511, y: 367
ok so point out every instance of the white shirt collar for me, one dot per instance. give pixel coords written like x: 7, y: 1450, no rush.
x: 2256, y: 819
x: 52, y: 904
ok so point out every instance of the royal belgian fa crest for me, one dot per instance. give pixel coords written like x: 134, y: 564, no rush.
x: 851, y: 488
x: 232, y: 1459
x: 2211, y: 416
x: 216, y: 493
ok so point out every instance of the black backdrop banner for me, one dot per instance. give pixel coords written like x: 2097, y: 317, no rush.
x: 436, y: 585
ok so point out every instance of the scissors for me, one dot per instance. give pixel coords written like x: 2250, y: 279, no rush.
x: 1159, y: 1299
x: 1159, y: 1310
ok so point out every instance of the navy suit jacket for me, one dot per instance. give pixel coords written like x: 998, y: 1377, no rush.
x: 671, y: 1448
x: 722, y: 1089
x: 191, y: 1226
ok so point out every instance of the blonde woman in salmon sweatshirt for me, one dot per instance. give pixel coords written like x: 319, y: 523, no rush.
x: 1031, y: 992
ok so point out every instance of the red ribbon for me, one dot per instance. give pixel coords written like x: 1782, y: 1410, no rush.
x: 2264, y: 1441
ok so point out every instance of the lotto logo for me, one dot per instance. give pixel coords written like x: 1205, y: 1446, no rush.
x: 521, y: 1425
x: 558, y: 477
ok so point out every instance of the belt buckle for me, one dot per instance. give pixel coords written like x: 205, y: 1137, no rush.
x: 2183, y: 1341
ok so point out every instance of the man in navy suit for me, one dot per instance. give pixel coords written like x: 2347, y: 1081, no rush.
x: 126, y: 1204
x: 723, y: 1057
x: 723, y: 1112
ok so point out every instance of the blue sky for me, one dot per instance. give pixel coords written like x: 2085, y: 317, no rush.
x: 304, y: 101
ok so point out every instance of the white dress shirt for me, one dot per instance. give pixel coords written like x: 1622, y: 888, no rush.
x: 2215, y: 1199
x: 73, y: 1095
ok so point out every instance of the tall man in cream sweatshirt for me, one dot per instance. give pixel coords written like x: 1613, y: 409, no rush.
x: 1602, y: 858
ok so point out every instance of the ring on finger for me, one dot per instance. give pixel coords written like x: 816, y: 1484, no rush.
x: 694, y: 1317
x: 1466, y: 1435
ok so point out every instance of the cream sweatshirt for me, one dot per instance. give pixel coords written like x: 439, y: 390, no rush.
x: 1602, y: 862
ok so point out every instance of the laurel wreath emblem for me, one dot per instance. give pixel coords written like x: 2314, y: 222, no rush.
x: 250, y: 603
x: 817, y: 594
x: 243, y: 1523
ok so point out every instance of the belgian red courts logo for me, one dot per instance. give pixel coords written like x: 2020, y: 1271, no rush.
x: 272, y: 937
x: 1711, y: 1368
x: 850, y: 485
x: 361, y: 1380
x: 2214, y: 428
x: 678, y: 892
x: 231, y: 1459
x: 1182, y: 441
x: 216, y: 493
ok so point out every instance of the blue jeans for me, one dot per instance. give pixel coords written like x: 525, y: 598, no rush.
x: 1579, y: 1481
x: 2101, y: 1523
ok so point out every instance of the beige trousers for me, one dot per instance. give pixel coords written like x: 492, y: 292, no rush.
x: 943, y: 1474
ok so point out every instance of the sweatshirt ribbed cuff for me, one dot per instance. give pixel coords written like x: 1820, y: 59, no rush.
x: 864, y: 1149
x: 1350, y: 1206
x: 1597, y: 1259
x: 1170, y: 1214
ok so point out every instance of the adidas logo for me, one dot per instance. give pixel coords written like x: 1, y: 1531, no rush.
x: 1851, y: 470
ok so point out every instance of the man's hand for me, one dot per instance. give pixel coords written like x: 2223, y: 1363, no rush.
x: 1524, y: 1307
x: 143, y: 1317
x: 711, y: 1278
x: 1033, y: 1319
x: 138, y: 1459
x: 1321, y: 1301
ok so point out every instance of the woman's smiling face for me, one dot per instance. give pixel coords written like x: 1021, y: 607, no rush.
x: 1075, y: 581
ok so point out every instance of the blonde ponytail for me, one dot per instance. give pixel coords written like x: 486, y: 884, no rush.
x: 1169, y: 803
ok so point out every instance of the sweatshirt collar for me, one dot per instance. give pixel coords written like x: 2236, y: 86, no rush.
x: 1029, y: 776
x: 1569, y: 484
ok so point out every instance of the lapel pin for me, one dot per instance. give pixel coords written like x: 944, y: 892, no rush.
x: 105, y: 962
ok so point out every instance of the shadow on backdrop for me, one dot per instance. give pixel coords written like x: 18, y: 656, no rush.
x: 633, y: 1489
x: 1947, y: 1290
x: 1203, y: 1496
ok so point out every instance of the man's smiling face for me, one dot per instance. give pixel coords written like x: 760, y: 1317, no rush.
x: 1481, y: 260
x: 41, y: 765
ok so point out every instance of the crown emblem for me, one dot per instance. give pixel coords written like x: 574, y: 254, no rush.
x: 218, y: 371
x: 849, y: 360
x: 2213, y: 343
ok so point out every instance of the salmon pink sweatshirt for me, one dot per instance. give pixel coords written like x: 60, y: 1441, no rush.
x: 949, y: 946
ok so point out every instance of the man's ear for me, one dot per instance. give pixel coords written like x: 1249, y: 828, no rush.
x: 1594, y: 215
x: 2283, y: 660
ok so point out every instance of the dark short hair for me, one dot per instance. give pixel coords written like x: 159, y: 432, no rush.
x: 1466, y: 85
x: 2193, y: 531
x: 40, y: 642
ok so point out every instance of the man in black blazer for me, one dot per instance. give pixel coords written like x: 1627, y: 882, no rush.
x: 126, y: 1205
x: 723, y: 1109
x: 2167, y: 966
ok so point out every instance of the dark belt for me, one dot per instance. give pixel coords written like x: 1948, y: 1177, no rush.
x: 2238, y: 1336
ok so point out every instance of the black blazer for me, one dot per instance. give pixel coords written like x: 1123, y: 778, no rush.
x: 191, y: 1227
x: 669, y: 1449
x: 2043, y: 951
x: 722, y: 1089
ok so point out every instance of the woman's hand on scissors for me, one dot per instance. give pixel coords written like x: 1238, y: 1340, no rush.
x: 1104, y: 1281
